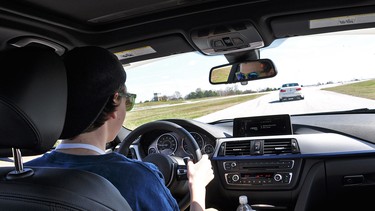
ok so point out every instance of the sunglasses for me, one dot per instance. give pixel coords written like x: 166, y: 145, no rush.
x: 129, y: 100
x: 242, y: 76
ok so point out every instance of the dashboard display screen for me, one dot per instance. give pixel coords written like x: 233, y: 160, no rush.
x: 262, y: 126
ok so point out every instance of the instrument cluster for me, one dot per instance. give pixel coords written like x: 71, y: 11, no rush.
x: 172, y: 144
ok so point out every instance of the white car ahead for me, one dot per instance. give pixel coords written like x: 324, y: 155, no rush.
x: 291, y: 91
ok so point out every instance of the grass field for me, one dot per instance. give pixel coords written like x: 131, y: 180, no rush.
x: 146, y: 112
x: 221, y: 74
x: 150, y: 111
x: 365, y: 89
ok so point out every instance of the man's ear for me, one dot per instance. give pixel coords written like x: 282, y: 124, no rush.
x: 113, y: 114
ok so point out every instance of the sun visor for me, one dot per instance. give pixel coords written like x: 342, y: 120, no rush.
x: 314, y: 23
x: 152, y: 48
x: 227, y: 38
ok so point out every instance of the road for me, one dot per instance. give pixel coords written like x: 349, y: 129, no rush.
x: 316, y: 100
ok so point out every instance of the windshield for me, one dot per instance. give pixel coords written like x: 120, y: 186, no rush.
x: 318, y: 73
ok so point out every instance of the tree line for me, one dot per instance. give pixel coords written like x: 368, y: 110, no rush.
x: 200, y: 93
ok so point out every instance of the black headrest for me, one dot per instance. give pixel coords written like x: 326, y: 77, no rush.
x: 33, y: 98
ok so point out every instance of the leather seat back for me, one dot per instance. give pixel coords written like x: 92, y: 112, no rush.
x: 33, y: 98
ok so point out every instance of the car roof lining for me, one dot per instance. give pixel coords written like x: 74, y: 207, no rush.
x: 270, y: 22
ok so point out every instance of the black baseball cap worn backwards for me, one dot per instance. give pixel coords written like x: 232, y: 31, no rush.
x: 94, y: 74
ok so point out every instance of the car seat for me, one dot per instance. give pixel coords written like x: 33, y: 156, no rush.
x: 33, y: 97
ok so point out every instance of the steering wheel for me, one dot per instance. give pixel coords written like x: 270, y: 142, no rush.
x: 173, y: 168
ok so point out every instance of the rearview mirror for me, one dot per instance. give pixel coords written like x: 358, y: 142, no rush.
x: 242, y: 72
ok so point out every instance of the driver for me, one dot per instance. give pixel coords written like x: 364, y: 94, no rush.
x: 97, y: 105
x: 254, y: 70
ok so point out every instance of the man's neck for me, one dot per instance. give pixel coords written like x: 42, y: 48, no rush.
x: 70, y: 147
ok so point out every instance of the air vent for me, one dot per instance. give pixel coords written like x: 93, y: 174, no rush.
x: 280, y: 146
x: 259, y: 147
x: 237, y: 148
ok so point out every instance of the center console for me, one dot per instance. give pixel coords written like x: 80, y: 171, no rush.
x: 260, y: 155
x: 259, y: 174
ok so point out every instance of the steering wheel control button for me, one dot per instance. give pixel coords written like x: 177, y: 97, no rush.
x: 186, y: 160
x: 182, y: 173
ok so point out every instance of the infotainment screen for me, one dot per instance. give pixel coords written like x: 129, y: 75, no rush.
x: 262, y: 126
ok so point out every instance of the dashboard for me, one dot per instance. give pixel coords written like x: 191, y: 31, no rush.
x: 317, y: 155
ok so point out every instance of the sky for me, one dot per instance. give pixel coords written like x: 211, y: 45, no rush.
x: 306, y: 60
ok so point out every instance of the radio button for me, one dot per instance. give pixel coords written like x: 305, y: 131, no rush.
x: 277, y: 177
x: 235, y: 178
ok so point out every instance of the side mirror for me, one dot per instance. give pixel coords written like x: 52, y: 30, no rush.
x: 242, y: 72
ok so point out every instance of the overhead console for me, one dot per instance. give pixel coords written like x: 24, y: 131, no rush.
x: 227, y: 38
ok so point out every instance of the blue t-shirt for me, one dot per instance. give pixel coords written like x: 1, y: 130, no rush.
x: 140, y: 183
